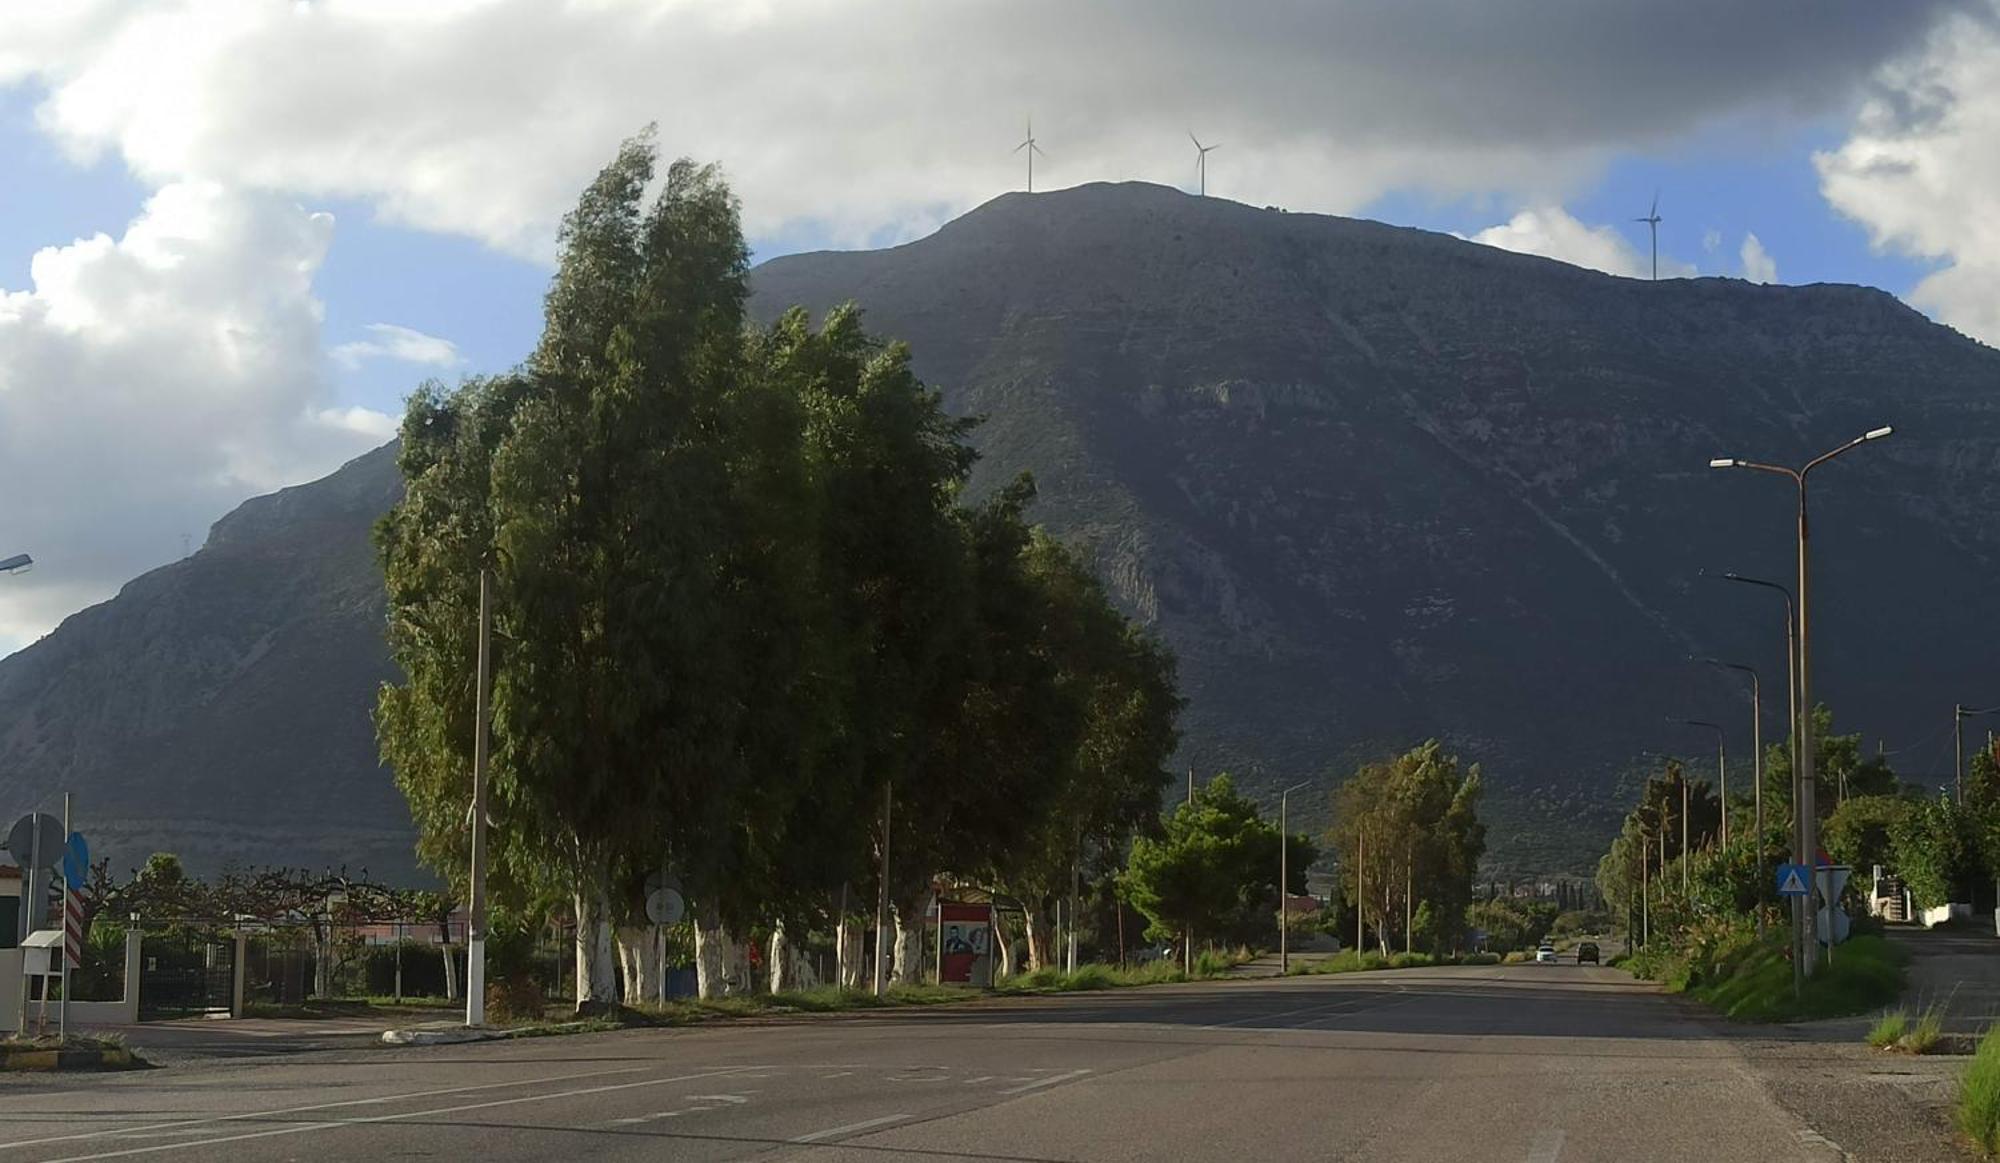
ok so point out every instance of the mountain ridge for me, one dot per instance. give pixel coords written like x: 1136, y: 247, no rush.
x: 1372, y: 483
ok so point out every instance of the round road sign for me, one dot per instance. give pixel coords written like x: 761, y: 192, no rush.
x: 665, y: 906
x: 36, y: 841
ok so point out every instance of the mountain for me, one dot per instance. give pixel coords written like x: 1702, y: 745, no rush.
x: 1373, y: 484
x: 219, y: 707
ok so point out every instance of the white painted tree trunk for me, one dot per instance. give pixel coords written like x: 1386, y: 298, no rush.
x: 1003, y: 948
x: 1040, y: 932
x: 639, y: 964
x: 720, y: 966
x: 596, y: 958
x: 847, y: 972
x: 778, y: 962
x: 910, y: 942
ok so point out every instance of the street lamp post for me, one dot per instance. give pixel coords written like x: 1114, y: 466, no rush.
x: 1721, y: 768
x: 475, y: 927
x: 1284, y: 879
x: 1791, y: 744
x: 1808, y: 840
x: 1959, y: 713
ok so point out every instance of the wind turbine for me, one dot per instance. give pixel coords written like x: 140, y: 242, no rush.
x: 1653, y: 220
x: 1201, y: 160
x: 1033, y: 149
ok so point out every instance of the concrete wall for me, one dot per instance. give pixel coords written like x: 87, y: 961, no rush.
x: 81, y: 1013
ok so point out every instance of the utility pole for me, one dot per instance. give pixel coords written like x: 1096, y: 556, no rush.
x: 475, y: 929
x: 1360, y: 887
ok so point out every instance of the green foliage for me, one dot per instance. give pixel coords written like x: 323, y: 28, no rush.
x: 1407, y: 832
x: 1213, y: 871
x: 737, y: 604
x: 1978, y: 1107
x: 1752, y: 981
x: 1860, y: 831
x: 1888, y: 1029
x: 1926, y: 1031
x: 1936, y: 850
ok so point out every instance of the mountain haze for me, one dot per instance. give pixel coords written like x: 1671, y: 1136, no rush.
x: 1372, y: 484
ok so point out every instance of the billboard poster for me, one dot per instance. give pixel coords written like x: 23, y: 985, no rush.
x: 965, y: 944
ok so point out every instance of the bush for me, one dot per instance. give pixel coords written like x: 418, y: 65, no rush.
x: 515, y: 998
x: 1754, y: 981
x: 1979, y: 1095
x: 1479, y: 959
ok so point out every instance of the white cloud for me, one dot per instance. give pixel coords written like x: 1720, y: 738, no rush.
x: 1920, y: 169
x: 849, y: 119
x: 1710, y: 239
x: 1553, y: 232
x: 388, y: 341
x: 151, y: 382
x: 1758, y: 265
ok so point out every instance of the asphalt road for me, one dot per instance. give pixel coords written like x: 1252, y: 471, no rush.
x: 1533, y: 1063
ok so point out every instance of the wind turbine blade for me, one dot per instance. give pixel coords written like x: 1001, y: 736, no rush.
x: 1193, y: 138
x: 1655, y: 211
x: 1020, y: 147
x: 1038, y: 149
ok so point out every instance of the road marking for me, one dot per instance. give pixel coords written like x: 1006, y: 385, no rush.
x: 336, y: 1124
x: 1051, y: 1080
x: 1547, y: 1147
x: 850, y: 1128
x: 294, y: 1110
x: 978, y: 1080
x: 731, y: 1099
x: 838, y: 1074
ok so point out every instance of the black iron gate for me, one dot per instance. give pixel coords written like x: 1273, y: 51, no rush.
x: 185, y: 972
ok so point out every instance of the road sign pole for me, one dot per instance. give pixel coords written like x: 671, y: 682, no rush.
x: 62, y: 1009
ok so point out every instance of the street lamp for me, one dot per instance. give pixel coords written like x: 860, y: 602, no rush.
x: 1959, y: 713
x: 1721, y: 767
x: 1808, y: 841
x: 1284, y: 878
x: 19, y: 563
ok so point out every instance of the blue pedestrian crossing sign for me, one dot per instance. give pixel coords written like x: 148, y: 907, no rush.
x: 1793, y: 880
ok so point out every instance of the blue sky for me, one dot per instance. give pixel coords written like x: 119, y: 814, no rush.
x: 264, y: 223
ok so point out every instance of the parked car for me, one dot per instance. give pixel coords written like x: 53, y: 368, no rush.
x: 1546, y: 955
x: 1586, y: 952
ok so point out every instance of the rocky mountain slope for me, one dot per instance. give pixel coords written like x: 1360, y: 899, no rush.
x: 1371, y: 483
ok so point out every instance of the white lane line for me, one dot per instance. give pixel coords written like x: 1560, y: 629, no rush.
x: 1049, y: 1081
x: 335, y: 1124
x: 731, y: 1099
x: 865, y: 1124
x: 321, y: 1106
x: 978, y: 1080
x: 1547, y: 1147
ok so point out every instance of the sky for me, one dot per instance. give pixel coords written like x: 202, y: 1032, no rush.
x: 234, y: 234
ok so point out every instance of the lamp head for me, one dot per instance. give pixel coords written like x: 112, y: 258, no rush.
x: 19, y: 563
x: 1878, y: 433
x: 1723, y: 462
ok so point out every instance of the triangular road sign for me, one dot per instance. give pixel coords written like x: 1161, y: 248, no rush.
x: 1791, y: 883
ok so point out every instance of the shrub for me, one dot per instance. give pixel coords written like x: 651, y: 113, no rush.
x: 1979, y: 1095
x: 1479, y: 959
x: 514, y: 998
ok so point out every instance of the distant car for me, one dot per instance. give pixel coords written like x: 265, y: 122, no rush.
x: 1546, y: 955
x: 1586, y: 952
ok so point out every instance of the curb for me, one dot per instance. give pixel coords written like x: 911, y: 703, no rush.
x: 115, y: 1058
x: 439, y: 1037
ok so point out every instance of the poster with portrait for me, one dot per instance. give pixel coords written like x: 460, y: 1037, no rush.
x: 965, y: 944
